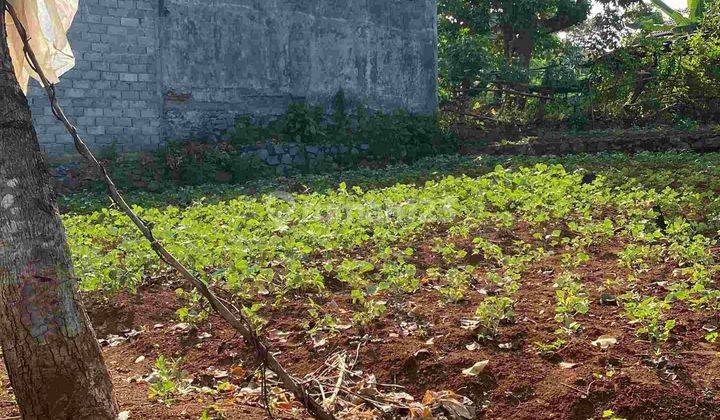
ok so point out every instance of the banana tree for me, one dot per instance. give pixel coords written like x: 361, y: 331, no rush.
x: 695, y: 10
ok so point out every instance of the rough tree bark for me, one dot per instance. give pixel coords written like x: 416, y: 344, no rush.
x: 50, y: 350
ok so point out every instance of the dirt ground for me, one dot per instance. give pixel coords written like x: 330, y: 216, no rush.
x: 419, y: 345
x: 147, y: 310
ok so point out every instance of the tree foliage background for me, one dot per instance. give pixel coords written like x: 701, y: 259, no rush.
x: 551, y: 62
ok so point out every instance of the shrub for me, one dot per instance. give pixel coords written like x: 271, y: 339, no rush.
x: 395, y: 137
x: 398, y: 137
x: 195, y: 163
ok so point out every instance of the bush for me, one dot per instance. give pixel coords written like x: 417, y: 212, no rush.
x: 673, y: 80
x: 396, y: 137
x: 401, y: 137
x: 182, y: 163
x: 195, y: 163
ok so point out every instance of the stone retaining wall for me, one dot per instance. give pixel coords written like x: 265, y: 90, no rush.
x: 284, y: 157
x: 707, y: 140
x: 281, y: 157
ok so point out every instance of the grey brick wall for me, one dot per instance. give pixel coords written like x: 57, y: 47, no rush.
x: 151, y: 70
x: 112, y: 94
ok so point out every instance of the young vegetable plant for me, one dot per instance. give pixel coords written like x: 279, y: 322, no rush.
x: 319, y: 322
x: 489, y: 250
x: 648, y: 315
x: 448, y: 251
x: 574, y: 259
x: 370, y: 309
x: 213, y: 412
x: 549, y: 349
x: 252, y: 313
x: 399, y: 274
x: 571, y: 300
x: 299, y: 277
x: 355, y: 273
x: 638, y: 256
x: 492, y: 312
x: 458, y: 283
x: 610, y: 415
x: 168, y: 380
x: 193, y: 310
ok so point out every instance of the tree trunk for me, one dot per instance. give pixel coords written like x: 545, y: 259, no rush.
x: 518, y: 43
x: 540, y: 113
x: 523, y: 48
x: 51, y: 354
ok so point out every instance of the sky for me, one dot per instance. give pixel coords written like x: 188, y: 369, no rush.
x: 675, y: 4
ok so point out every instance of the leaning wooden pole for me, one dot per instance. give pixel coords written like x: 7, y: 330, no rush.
x: 233, y: 317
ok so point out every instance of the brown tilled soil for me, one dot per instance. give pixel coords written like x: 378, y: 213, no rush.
x: 578, y: 382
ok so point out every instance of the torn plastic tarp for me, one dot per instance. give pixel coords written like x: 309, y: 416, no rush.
x: 47, y: 23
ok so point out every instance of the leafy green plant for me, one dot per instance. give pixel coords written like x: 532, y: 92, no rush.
x: 199, y: 162
x: 696, y: 10
x: 169, y: 380
x: 649, y: 315
x: 248, y: 133
x: 571, y: 301
x: 252, y: 313
x: 637, y: 256
x: 402, y: 137
x: 399, y: 274
x: 355, y: 273
x: 366, y: 237
x: 370, y: 309
x: 448, y: 251
x: 488, y: 249
x: 492, y: 312
x: 458, y: 283
x: 610, y: 415
x: 551, y: 348
x: 398, y: 136
x: 573, y: 260
x: 300, y: 277
x: 213, y: 412
x: 193, y: 310
x: 319, y: 322
x: 302, y: 124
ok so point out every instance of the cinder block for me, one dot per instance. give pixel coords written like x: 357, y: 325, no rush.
x: 96, y: 130
x: 120, y: 67
x: 128, y: 77
x: 123, y: 122
x: 133, y: 22
x: 93, y: 112
x: 108, y: 3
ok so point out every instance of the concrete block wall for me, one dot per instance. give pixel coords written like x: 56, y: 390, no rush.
x: 112, y: 93
x: 256, y: 57
x: 154, y: 70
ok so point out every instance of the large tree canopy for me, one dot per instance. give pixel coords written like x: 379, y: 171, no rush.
x: 517, y: 24
x: 482, y: 39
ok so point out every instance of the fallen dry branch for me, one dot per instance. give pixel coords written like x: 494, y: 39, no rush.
x: 341, y: 367
x: 358, y: 395
x: 235, y: 318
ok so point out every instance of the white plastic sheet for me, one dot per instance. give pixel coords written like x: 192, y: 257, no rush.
x: 47, y: 23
